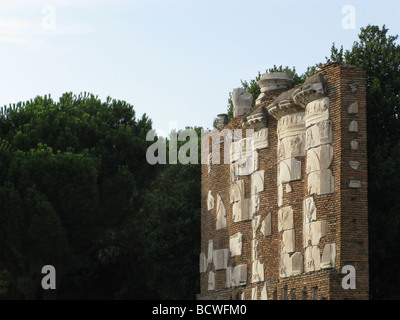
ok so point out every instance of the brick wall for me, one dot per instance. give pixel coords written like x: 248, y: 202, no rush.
x: 344, y: 210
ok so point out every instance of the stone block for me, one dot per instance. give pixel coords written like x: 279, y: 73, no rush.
x: 353, y: 127
x: 319, y: 158
x: 354, y: 144
x: 288, y: 241
x: 312, y: 259
x: 235, y: 244
x: 257, y: 271
x: 328, y: 256
x: 210, y: 251
x: 320, y: 182
x: 317, y: 111
x: 260, y: 139
x: 264, y: 291
x: 242, y: 101
x: 354, y: 164
x: 353, y: 108
x: 313, y: 232
x: 290, y: 147
x: 280, y: 195
x: 228, y: 281
x: 297, y: 264
x: 255, y: 223
x: 285, y: 269
x: 221, y: 213
x: 275, y: 81
x: 241, y: 210
x: 289, y: 170
x: 203, y: 262
x: 254, y: 293
x: 285, y: 218
x: 257, y: 181
x: 239, y: 275
x: 266, y: 226
x: 309, y: 210
x: 211, y: 281
x: 291, y: 125
x: 210, y: 201
x: 319, y: 134
x: 254, y: 249
x: 220, y: 258
x: 355, y: 184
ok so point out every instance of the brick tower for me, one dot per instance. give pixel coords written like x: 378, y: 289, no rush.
x: 284, y: 203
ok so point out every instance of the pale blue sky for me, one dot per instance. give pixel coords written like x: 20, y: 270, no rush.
x: 177, y: 60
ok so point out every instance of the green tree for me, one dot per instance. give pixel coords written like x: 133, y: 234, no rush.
x: 71, y: 179
x: 378, y: 54
x: 172, y: 227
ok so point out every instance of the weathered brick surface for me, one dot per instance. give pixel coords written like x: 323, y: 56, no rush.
x: 345, y: 210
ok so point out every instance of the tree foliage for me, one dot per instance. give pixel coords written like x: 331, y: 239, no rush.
x: 77, y: 192
x: 70, y: 180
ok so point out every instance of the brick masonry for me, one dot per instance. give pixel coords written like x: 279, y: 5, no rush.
x: 344, y: 209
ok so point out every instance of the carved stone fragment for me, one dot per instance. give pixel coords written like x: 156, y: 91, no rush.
x: 293, y: 146
x: 237, y: 191
x: 235, y: 244
x: 319, y: 134
x: 319, y: 158
x: 236, y: 150
x: 242, y: 101
x: 257, y: 181
x: 354, y: 164
x: 297, y: 263
x: 355, y: 184
x: 285, y: 269
x: 239, y: 275
x: 210, y: 251
x: 254, y: 293
x: 320, y: 182
x: 210, y: 201
x: 288, y: 241
x: 228, y: 281
x: 289, y: 170
x: 354, y: 144
x: 312, y: 259
x: 328, y: 256
x: 275, y: 81
x: 280, y: 195
x: 309, y: 210
x: 220, y: 258
x: 317, y: 111
x: 353, y: 127
x: 260, y: 139
x: 203, y: 262
x: 255, y: 223
x: 221, y: 213
x: 257, y: 271
x: 211, y: 281
x: 291, y: 125
x: 264, y: 292
x: 254, y: 249
x: 313, y: 232
x: 285, y: 218
x: 266, y: 228
x: 309, y: 92
x: 353, y: 108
